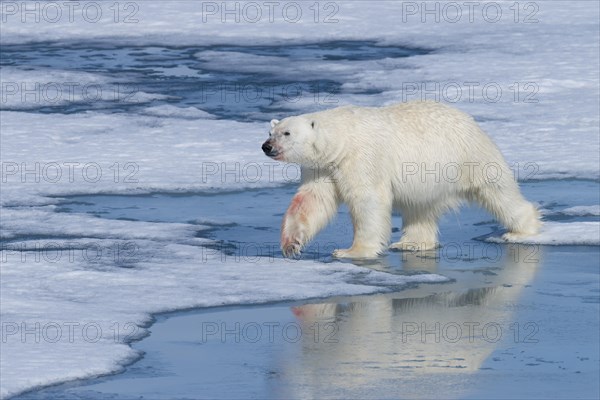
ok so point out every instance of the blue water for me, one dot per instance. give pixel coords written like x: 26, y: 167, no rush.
x: 244, y: 222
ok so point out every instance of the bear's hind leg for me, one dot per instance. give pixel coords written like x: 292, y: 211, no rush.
x: 512, y: 210
x: 419, y: 230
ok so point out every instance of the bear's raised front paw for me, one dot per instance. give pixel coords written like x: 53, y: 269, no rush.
x: 290, y: 246
x: 291, y: 250
x: 293, y: 236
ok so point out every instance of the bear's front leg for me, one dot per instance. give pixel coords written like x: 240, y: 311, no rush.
x: 310, y: 210
x: 294, y: 228
x: 372, y: 219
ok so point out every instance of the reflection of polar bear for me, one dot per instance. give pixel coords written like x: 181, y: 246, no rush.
x: 443, y: 334
x: 421, y: 158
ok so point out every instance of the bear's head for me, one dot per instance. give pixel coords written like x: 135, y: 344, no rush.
x: 295, y: 140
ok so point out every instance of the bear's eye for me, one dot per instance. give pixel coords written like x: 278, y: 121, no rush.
x: 286, y: 133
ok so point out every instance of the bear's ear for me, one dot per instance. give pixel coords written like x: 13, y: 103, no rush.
x: 312, y: 124
x: 274, y: 122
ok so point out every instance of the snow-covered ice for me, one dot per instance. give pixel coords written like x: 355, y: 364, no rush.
x: 561, y: 233
x: 163, y: 139
x: 68, y: 308
x: 583, y: 210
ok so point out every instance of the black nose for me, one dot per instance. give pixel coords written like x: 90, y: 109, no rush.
x: 267, y: 148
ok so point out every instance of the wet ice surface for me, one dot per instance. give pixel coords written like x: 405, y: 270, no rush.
x: 120, y: 78
x: 519, y: 321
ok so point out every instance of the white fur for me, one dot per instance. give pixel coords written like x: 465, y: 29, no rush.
x: 367, y: 157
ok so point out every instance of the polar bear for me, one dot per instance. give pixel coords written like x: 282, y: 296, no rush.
x: 419, y: 158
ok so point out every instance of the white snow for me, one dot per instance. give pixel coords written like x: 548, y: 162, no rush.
x: 128, y: 153
x: 184, y: 149
x: 23, y: 89
x: 167, y: 110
